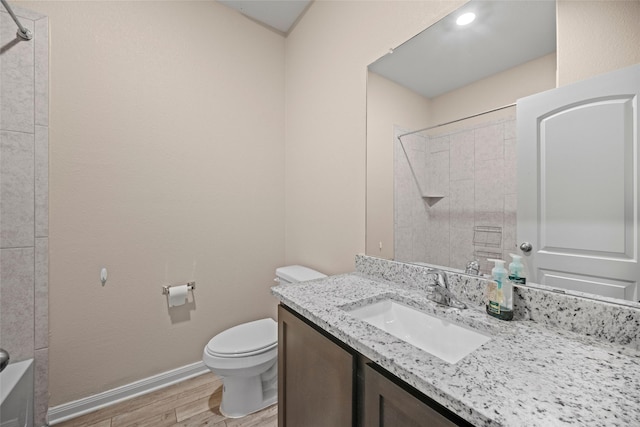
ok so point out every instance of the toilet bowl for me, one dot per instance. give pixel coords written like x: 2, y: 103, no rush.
x: 246, y: 357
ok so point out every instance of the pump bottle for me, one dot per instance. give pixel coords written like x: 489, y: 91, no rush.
x: 500, y: 292
x: 515, y: 270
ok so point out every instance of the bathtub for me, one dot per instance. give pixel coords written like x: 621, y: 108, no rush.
x: 16, y: 395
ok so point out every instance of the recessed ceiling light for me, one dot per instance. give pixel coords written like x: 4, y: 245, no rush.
x: 466, y: 18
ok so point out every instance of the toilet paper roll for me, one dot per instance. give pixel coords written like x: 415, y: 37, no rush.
x: 178, y: 295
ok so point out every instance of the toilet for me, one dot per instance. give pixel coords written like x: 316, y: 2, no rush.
x: 245, y: 357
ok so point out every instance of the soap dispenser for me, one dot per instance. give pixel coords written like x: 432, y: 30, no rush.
x: 500, y: 292
x: 515, y: 270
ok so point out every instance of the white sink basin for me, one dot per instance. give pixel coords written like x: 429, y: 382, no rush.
x: 441, y: 338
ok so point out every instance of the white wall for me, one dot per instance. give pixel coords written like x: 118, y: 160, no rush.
x: 167, y: 165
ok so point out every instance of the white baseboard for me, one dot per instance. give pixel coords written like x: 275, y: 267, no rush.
x: 79, y: 407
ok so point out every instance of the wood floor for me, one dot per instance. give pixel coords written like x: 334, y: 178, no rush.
x: 191, y: 403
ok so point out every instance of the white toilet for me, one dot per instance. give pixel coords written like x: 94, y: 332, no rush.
x: 246, y: 357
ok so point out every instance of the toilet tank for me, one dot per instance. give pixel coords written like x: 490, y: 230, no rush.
x: 297, y: 273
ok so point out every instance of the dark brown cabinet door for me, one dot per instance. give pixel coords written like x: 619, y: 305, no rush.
x: 388, y: 405
x: 315, y: 377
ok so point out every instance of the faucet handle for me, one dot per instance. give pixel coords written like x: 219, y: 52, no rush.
x: 441, y: 277
x: 4, y: 359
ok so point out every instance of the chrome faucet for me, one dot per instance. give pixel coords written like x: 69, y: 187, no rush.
x: 473, y: 268
x: 440, y: 291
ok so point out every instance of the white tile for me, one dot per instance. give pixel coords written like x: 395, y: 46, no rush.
x: 418, y: 208
x: 438, y: 247
x: 489, y: 219
x: 438, y: 144
x: 414, y: 142
x: 41, y: 387
x: 489, y: 142
x: 402, y: 177
x: 510, y: 129
x: 462, y: 204
x: 438, y: 233
x: 510, y: 222
x: 16, y: 189
x: 403, y: 213
x: 42, y: 181
x: 16, y: 304
x: 510, y: 166
x: 419, y: 171
x: 41, y: 293
x: 419, y: 242
x: 41, y: 87
x: 26, y: 14
x: 461, y: 247
x: 462, y: 155
x: 16, y: 74
x: 403, y: 250
x: 438, y: 174
x: 489, y: 185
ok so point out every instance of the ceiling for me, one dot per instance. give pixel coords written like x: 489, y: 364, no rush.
x: 447, y: 56
x: 280, y: 15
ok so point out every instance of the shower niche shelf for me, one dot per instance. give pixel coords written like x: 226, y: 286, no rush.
x: 432, y: 199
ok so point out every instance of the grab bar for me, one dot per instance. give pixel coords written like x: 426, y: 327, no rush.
x: 4, y: 359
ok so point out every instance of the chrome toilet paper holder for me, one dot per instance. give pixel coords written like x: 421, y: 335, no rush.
x: 190, y: 286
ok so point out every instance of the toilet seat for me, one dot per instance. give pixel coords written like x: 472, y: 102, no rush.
x: 244, y: 340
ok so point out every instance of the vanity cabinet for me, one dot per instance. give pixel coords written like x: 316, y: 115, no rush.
x: 387, y: 404
x: 324, y: 383
x: 316, y: 376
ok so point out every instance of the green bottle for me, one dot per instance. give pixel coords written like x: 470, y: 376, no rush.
x: 515, y: 270
x: 501, y: 301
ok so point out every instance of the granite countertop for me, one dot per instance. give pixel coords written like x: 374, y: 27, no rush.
x: 529, y: 374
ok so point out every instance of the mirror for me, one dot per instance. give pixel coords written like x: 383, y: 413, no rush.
x: 443, y: 80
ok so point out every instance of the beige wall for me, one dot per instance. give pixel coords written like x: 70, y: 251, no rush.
x: 388, y: 105
x: 495, y: 91
x: 167, y: 165
x: 595, y: 37
x: 327, y: 56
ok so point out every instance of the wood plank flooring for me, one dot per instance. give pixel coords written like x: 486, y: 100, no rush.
x: 191, y: 403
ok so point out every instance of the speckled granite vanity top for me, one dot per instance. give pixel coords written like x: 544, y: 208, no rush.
x: 529, y: 374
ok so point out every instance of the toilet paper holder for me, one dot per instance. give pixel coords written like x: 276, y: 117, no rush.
x: 190, y: 286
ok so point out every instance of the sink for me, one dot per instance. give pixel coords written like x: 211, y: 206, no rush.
x: 439, y: 337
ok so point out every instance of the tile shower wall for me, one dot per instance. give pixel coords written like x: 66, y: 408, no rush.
x: 455, y: 194
x: 24, y: 189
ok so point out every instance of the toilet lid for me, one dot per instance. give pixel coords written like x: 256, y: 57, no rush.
x: 245, y: 339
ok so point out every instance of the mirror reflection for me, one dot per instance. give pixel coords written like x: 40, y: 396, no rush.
x: 441, y: 138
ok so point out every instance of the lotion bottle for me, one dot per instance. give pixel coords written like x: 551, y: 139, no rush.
x: 501, y: 298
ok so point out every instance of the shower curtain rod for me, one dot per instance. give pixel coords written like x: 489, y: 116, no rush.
x: 454, y: 121
x: 23, y: 33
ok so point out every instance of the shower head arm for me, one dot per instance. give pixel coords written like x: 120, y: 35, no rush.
x: 23, y: 33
